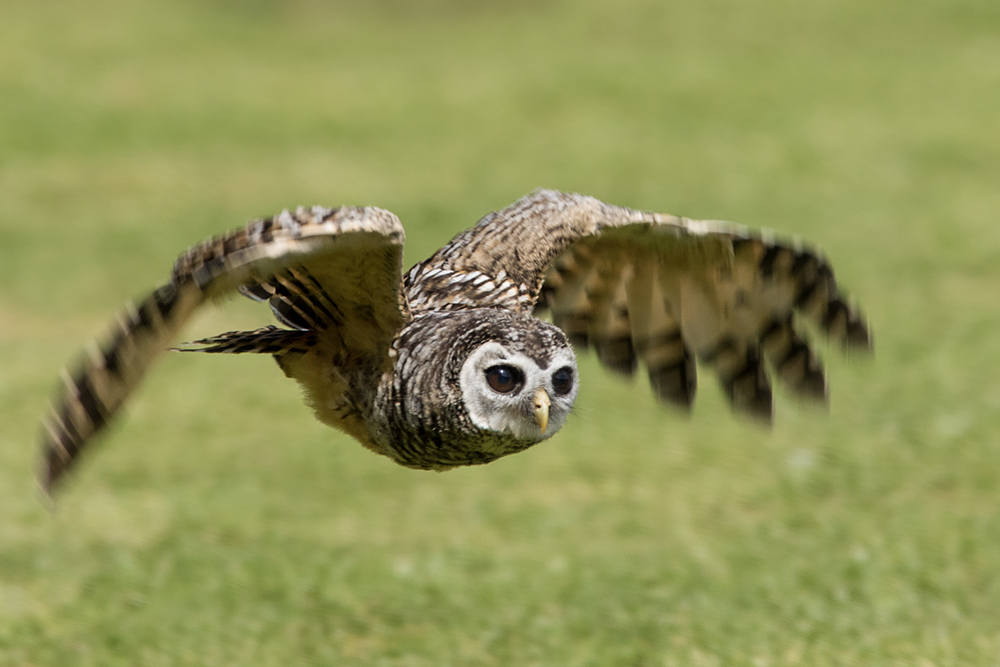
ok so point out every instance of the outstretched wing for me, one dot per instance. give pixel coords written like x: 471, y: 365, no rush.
x: 654, y: 288
x: 333, y: 271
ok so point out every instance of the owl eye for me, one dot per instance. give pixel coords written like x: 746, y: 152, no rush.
x: 562, y: 380
x: 504, y: 379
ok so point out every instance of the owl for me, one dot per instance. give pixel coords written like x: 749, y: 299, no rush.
x: 449, y: 364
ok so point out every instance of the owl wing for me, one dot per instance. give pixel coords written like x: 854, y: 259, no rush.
x: 320, y: 269
x: 652, y: 288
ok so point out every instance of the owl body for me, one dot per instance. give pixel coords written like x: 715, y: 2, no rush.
x: 448, y: 365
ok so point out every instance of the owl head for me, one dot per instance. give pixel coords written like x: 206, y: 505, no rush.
x: 471, y: 385
x: 519, y: 378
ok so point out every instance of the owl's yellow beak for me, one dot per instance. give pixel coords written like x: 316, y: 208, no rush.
x: 542, y: 403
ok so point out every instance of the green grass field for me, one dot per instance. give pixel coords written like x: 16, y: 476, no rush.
x: 219, y: 524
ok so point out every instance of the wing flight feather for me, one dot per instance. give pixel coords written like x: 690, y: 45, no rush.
x: 337, y: 271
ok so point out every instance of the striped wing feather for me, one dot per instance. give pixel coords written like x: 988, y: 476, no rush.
x: 663, y: 291
x: 332, y: 272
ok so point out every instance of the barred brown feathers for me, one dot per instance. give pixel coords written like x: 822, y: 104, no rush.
x: 448, y: 366
x: 93, y: 392
x: 366, y: 277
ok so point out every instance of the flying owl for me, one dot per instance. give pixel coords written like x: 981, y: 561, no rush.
x: 449, y: 365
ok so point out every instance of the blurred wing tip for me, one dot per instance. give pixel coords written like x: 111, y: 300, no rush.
x: 759, y: 411
x: 859, y: 337
x: 856, y: 337
x: 44, y: 492
x: 52, y: 467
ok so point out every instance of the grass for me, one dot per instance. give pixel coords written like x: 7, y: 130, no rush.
x: 220, y: 525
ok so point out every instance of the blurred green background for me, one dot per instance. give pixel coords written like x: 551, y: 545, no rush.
x: 219, y: 524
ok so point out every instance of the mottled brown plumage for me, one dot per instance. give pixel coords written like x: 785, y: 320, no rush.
x: 411, y: 366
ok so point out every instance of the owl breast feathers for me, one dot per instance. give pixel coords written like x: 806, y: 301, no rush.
x: 450, y: 364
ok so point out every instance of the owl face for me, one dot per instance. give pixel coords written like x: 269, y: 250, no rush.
x: 514, y: 386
